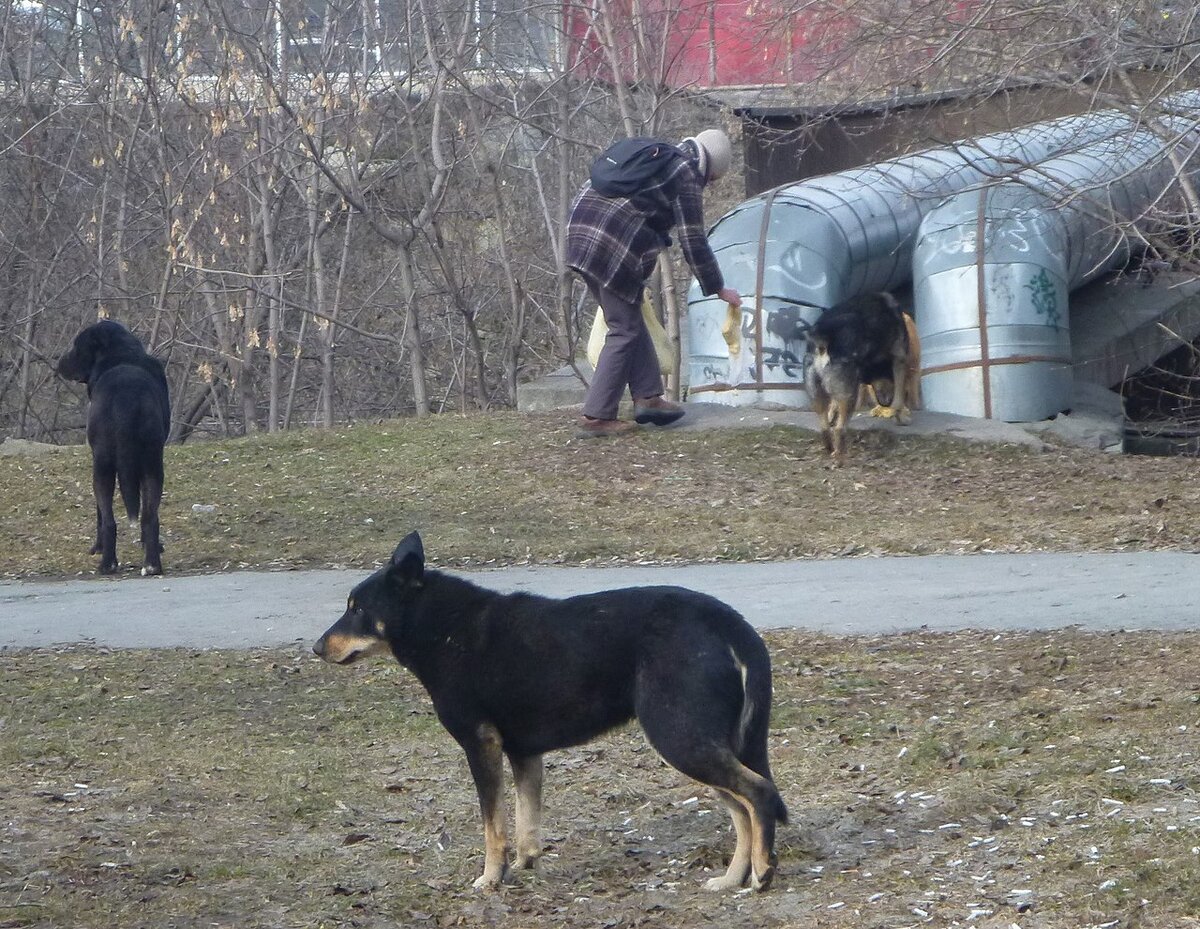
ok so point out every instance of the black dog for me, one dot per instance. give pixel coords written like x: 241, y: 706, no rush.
x: 520, y: 675
x: 867, y: 341
x: 129, y: 417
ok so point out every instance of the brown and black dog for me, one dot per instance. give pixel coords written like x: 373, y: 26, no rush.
x: 864, y: 344
x: 518, y: 675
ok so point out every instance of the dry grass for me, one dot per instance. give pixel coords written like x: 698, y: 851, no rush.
x: 1037, y: 780
x: 510, y: 488
x: 1033, y: 780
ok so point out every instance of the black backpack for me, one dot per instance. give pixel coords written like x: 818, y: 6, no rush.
x: 626, y: 166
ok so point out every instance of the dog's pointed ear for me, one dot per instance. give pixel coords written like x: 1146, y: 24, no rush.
x: 408, y: 560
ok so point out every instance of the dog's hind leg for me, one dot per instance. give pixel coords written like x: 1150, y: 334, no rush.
x: 98, y: 545
x: 764, y: 808
x: 151, y: 495
x: 527, y: 775
x: 761, y: 806
x: 104, y: 482
x: 899, y: 406
x: 695, y: 732
x: 485, y: 757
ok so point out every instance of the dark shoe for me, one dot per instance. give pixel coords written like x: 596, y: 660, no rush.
x: 657, y: 411
x: 602, y: 428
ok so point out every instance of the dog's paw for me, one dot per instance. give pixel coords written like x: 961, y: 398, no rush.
x: 904, y: 416
x: 761, y: 882
x: 109, y: 567
x: 724, y: 883
x: 883, y: 412
x: 487, y: 883
x: 525, y: 862
x: 151, y: 571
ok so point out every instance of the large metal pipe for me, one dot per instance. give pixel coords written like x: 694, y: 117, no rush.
x: 993, y: 267
x: 802, y: 247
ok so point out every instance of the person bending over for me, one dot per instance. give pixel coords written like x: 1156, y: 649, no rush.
x: 613, y: 243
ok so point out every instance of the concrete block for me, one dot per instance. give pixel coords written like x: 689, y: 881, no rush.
x: 559, y: 389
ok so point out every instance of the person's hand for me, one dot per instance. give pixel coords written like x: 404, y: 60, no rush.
x: 730, y: 296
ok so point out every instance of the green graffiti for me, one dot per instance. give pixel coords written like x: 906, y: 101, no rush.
x: 1045, y: 298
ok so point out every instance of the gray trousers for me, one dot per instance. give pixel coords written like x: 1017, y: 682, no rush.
x: 627, y: 358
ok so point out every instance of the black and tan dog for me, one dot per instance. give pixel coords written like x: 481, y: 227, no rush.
x: 519, y: 675
x: 865, y: 343
x: 129, y: 417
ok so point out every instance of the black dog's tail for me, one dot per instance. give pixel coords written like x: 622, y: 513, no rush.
x: 140, y: 457
x: 781, y: 813
x: 755, y: 724
x: 129, y: 476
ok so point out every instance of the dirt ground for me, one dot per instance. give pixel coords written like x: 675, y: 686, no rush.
x: 1038, y: 781
x: 978, y: 780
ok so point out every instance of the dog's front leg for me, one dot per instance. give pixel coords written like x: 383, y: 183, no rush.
x: 485, y: 756
x: 527, y: 773
x: 821, y: 404
x: 843, y: 409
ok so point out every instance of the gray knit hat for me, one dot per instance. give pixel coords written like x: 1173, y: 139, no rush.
x: 716, y: 153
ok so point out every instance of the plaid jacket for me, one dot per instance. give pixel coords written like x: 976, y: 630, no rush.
x: 615, y: 242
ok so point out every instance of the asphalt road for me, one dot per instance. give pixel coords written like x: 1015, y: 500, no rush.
x: 1139, y: 590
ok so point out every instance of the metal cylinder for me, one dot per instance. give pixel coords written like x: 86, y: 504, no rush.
x: 800, y: 248
x: 993, y: 268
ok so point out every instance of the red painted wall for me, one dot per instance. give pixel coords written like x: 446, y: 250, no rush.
x: 706, y: 43
x: 731, y: 43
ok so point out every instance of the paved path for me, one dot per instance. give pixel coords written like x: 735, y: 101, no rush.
x: 1141, y: 590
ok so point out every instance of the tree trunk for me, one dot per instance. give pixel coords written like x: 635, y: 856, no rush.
x: 412, y: 333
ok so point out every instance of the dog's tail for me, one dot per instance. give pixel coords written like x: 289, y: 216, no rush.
x: 912, y: 383
x: 140, y: 461
x: 781, y: 811
x: 754, y: 664
x: 129, y: 476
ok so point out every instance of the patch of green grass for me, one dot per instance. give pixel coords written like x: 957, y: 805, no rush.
x: 512, y: 488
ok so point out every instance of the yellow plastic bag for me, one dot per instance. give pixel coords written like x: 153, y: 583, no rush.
x: 658, y: 335
x: 731, y: 329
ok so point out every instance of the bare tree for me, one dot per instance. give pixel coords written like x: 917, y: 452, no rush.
x: 318, y: 212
